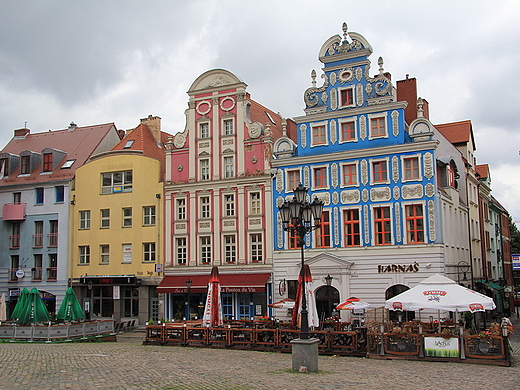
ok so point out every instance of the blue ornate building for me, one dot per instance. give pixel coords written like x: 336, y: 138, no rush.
x: 387, y: 177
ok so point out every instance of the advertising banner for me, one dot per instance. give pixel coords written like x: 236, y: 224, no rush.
x: 441, y: 347
x: 516, y: 262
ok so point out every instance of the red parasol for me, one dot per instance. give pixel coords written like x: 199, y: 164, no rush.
x: 213, y: 309
x: 305, y: 276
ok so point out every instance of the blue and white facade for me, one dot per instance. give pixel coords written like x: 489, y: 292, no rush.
x: 379, y: 177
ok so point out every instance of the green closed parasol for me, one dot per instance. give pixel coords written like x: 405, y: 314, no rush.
x: 70, y: 308
x: 34, y: 309
x: 24, y: 296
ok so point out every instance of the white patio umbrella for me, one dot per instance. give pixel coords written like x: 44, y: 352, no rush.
x: 441, y: 293
x: 286, y: 303
x: 3, y: 308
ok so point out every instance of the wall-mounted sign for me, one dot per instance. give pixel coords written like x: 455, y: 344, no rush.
x: 516, y: 262
x: 400, y: 268
x: 20, y: 273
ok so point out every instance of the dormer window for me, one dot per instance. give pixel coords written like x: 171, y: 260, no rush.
x: 346, y: 97
x: 25, y: 165
x: 47, y: 162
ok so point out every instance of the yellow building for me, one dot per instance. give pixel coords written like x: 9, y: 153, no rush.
x: 116, y: 227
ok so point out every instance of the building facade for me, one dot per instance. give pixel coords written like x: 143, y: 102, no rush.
x: 218, y: 200
x: 392, y: 185
x: 117, y: 227
x: 37, y: 172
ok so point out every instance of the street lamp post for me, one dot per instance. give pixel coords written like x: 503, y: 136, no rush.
x: 328, y: 282
x: 188, y: 287
x: 300, y: 217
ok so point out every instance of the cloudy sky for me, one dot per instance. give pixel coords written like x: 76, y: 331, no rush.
x: 118, y: 61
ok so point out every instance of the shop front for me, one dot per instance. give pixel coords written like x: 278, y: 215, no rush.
x: 243, y: 296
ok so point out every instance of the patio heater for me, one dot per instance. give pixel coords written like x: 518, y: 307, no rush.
x: 328, y: 282
x: 300, y: 217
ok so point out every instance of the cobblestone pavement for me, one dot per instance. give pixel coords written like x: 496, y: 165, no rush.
x: 127, y: 365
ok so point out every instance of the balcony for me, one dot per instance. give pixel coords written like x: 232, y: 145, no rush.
x: 52, y: 239
x: 14, y: 212
x: 14, y: 242
x: 52, y: 274
x: 36, y: 274
x: 37, y: 240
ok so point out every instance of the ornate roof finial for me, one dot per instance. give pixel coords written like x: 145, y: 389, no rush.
x: 345, y: 28
x: 420, y: 111
x: 313, y: 76
x: 284, y: 127
x: 380, y: 63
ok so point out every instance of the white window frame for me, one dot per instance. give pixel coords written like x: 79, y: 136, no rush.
x: 84, y: 254
x: 320, y: 124
x: 373, y: 224
x: 356, y: 130
x: 403, y: 168
x: 205, y: 208
x: 149, y: 253
x: 344, y: 164
x: 360, y: 213
x: 229, y: 166
x: 84, y: 219
x: 148, y: 215
x: 287, y: 181
x: 105, y: 219
x: 256, y: 247
x: 228, y: 130
x: 340, y: 103
x: 229, y: 205
x: 205, y: 249
x: 403, y: 221
x: 379, y: 115
x: 112, y: 188
x: 255, y: 204
x: 388, y: 171
x: 204, y: 168
x: 181, y: 250
x: 203, y: 130
x: 127, y: 217
x: 104, y: 254
x: 180, y: 204
x: 230, y: 248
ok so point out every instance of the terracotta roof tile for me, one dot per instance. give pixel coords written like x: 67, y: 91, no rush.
x: 456, y: 132
x: 482, y: 170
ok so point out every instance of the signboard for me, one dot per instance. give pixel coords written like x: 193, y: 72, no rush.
x: 516, y: 262
x: 127, y: 253
x: 117, y: 294
x: 441, y: 347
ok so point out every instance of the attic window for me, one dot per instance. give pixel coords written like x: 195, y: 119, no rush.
x: 129, y: 144
x: 270, y: 118
x: 67, y: 164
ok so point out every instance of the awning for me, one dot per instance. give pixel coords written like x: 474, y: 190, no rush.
x: 241, y: 283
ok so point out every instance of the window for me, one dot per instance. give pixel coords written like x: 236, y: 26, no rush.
x: 254, y: 203
x: 84, y: 254
x: 38, y: 234
x: 230, y: 249
x: 293, y: 179
x: 105, y: 218
x: 39, y: 195
x: 350, y: 177
x: 229, y: 205
x: 130, y: 300
x: 319, y: 135
x: 320, y: 177
x: 115, y: 182
x: 229, y: 167
x: 53, y: 233
x: 25, y: 165
x: 451, y: 174
x: 411, y: 168
x: 256, y: 248
x: 15, y: 265
x: 37, y: 268
x: 346, y: 97
x: 205, y: 249
x: 414, y: 224
x: 204, y: 130
x: 181, y: 250
x: 17, y: 197
x: 181, y: 208
x: 379, y: 172
x: 4, y: 167
x: 15, y: 237
x: 84, y: 219
x: 378, y: 127
x: 149, y: 252
x: 104, y: 251
x: 323, y: 232
x: 204, y: 169
x: 47, y: 162
x: 293, y: 237
x: 228, y: 127
x: 52, y: 269
x: 67, y: 164
x: 149, y: 215
x: 348, y: 131
x: 59, y: 192
x: 127, y: 217
x: 352, y: 227
x: 382, y: 226
x: 204, y: 207
x: 129, y: 144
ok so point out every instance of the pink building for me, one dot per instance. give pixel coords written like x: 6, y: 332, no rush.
x: 218, y: 200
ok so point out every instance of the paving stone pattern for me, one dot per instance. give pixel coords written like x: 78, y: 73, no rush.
x: 130, y: 365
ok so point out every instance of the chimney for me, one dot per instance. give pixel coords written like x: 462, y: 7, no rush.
x: 407, y: 91
x: 21, y: 133
x: 72, y: 126
x: 154, y: 124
